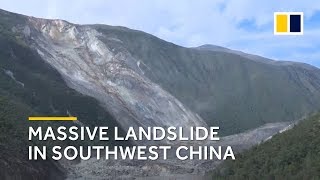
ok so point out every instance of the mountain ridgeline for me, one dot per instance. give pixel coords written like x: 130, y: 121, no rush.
x: 115, y: 76
x: 226, y: 89
x: 231, y: 90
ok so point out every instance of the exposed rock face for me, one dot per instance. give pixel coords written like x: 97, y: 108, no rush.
x: 114, y: 78
x: 142, y: 80
x: 145, y: 81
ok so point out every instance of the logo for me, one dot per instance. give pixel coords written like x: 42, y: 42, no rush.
x: 288, y: 23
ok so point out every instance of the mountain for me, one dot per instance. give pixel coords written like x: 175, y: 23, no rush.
x: 115, y: 76
x: 214, y: 48
x: 294, y: 154
x: 29, y: 86
x: 159, y: 83
x: 225, y: 89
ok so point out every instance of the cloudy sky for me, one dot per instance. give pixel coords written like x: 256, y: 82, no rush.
x: 245, y: 25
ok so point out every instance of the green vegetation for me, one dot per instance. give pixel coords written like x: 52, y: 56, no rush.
x: 294, y: 154
x: 14, y: 163
x: 29, y: 86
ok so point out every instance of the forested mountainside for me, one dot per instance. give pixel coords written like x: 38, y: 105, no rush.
x: 294, y: 154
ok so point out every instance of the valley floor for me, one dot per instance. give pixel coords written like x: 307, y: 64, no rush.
x: 171, y: 168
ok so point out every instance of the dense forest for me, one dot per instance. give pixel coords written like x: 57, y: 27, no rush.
x: 294, y: 154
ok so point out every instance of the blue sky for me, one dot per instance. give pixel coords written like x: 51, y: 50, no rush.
x: 245, y: 25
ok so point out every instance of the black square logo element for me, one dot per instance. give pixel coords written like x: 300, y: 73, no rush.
x: 295, y: 23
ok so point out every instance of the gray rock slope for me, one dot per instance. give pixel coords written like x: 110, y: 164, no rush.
x: 93, y: 68
x: 145, y: 81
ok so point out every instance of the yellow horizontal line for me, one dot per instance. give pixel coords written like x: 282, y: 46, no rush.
x: 52, y: 118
